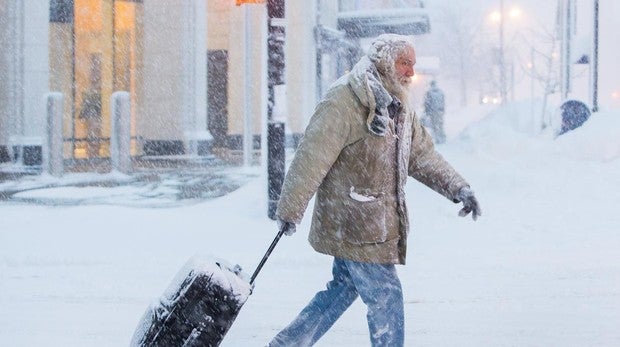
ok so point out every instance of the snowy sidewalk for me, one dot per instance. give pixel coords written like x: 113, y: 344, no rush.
x: 539, y: 268
x: 156, y: 183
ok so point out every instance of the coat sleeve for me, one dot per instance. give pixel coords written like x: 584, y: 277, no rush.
x: 325, y: 137
x: 429, y: 167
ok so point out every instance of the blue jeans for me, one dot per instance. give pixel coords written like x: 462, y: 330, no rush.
x: 378, y: 286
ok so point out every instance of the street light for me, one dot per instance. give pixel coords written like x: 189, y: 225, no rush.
x: 498, y: 17
x: 495, y: 16
x: 514, y: 12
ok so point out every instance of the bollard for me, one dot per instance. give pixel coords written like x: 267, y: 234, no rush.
x: 53, y: 149
x: 120, y: 139
x: 275, y: 164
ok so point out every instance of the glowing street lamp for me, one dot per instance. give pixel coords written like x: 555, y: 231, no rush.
x: 514, y: 13
x: 498, y: 17
x: 495, y: 16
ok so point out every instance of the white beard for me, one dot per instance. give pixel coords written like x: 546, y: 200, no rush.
x: 398, y: 87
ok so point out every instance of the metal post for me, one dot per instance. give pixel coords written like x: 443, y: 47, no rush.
x: 247, y: 91
x: 569, y: 36
x: 53, y: 151
x: 13, y: 49
x: 512, y: 79
x: 276, y: 129
x: 535, y: 123
x: 120, y: 139
x: 565, y: 84
x: 502, y: 63
x: 594, y: 60
x: 275, y: 165
x: 319, y: 51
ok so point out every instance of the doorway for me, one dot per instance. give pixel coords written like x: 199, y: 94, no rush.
x: 96, y: 50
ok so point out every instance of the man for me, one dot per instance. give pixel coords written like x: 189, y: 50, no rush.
x: 360, y: 145
x: 434, y: 108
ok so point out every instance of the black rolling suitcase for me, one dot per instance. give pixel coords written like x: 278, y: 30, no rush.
x: 199, y: 306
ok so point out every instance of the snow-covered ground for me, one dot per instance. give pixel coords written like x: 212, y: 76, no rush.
x: 539, y: 268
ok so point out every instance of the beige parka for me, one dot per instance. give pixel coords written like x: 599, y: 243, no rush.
x: 359, y: 177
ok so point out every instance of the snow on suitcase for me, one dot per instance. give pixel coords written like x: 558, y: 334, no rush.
x: 198, y: 307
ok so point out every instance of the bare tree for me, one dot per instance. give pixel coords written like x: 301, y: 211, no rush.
x: 462, y: 48
x: 544, y: 65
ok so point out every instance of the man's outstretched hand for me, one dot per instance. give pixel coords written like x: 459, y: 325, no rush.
x: 470, y: 203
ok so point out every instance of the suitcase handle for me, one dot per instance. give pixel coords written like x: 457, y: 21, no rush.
x: 269, y: 250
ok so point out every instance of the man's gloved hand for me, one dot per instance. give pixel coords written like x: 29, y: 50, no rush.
x: 470, y: 203
x: 288, y: 227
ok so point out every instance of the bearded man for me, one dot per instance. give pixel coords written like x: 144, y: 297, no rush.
x: 358, y: 149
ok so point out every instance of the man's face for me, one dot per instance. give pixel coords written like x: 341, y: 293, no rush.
x: 404, y: 67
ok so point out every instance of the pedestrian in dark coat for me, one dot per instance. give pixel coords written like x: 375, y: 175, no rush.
x: 434, y: 109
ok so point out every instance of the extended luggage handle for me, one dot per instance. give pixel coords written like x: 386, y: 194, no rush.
x: 269, y: 250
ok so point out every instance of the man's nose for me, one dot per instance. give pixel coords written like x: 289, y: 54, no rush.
x: 410, y: 72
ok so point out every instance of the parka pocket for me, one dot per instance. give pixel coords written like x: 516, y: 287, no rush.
x: 364, y: 220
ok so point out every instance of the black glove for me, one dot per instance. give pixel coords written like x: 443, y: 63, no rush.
x: 470, y: 203
x: 288, y: 227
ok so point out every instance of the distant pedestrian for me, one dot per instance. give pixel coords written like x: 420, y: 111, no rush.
x: 91, y: 107
x: 359, y: 147
x: 434, y: 109
x: 91, y: 114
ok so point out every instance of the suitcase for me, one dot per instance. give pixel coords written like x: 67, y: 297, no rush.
x: 199, y: 306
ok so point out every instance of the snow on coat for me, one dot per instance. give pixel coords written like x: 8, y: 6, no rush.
x: 359, y: 176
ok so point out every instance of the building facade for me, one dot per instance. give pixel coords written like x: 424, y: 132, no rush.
x: 195, y: 70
